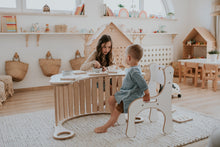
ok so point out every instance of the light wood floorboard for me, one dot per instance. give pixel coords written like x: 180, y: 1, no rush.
x: 194, y: 98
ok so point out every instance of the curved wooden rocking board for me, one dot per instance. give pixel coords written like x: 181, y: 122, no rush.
x: 82, y: 98
x: 161, y: 102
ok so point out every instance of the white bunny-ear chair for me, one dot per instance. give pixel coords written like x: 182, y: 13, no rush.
x: 159, y: 101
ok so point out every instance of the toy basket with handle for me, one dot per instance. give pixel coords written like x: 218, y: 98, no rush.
x: 15, y: 68
x: 77, y: 62
x: 50, y: 66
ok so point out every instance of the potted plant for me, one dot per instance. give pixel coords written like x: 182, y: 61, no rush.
x: 170, y: 15
x: 116, y: 11
x: 213, y: 55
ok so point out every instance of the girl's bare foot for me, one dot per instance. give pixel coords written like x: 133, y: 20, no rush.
x: 101, y: 129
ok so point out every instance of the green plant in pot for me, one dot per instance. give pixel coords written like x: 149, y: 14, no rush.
x: 170, y: 15
x: 213, y: 54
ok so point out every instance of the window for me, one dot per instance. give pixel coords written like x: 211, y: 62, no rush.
x: 128, y: 4
x: 60, y: 5
x: 56, y: 6
x: 155, y: 7
x: 7, y: 3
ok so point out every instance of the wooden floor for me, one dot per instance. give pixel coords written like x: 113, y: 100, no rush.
x: 202, y: 100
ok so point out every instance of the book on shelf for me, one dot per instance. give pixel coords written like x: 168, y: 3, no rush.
x: 8, y: 24
x: 80, y: 10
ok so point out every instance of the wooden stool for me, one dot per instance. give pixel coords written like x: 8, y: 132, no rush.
x: 192, y: 70
x: 211, y: 72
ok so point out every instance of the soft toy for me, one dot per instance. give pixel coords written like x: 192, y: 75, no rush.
x: 176, y: 91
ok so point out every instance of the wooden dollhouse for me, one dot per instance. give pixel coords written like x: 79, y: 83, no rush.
x: 119, y: 39
x: 198, y: 43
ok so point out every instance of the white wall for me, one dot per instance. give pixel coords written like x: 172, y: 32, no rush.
x: 64, y: 46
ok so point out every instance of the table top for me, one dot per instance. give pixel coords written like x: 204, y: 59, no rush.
x: 202, y: 61
x: 76, y: 75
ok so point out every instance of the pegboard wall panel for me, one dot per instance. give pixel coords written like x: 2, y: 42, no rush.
x: 162, y: 55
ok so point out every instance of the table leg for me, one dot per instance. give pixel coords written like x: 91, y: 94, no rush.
x: 180, y: 71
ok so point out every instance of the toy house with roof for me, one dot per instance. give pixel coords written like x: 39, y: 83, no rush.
x: 119, y: 39
x: 198, y: 43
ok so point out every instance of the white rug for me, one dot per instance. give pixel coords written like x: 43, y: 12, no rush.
x: 36, y: 129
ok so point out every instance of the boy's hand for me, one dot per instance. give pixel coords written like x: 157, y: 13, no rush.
x: 146, y: 97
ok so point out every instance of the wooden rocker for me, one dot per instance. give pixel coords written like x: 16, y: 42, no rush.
x: 161, y: 101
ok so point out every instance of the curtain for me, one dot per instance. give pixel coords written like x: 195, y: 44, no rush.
x: 215, y: 27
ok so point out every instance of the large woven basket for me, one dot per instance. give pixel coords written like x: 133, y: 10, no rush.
x: 77, y: 62
x: 50, y: 66
x: 16, y: 69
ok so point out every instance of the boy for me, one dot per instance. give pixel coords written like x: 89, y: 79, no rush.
x: 134, y: 86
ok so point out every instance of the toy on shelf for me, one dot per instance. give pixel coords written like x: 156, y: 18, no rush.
x: 35, y: 27
x: 161, y: 29
x: 46, y: 8
x: 61, y: 28
x: 47, y: 29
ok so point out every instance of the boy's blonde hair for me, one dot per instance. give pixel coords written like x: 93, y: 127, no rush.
x: 135, y: 51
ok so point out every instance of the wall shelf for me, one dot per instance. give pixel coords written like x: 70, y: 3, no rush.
x: 27, y: 34
x: 159, y: 19
x: 142, y: 35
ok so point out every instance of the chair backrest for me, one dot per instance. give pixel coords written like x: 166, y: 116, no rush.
x: 210, y: 71
x: 190, y: 69
x: 156, y: 78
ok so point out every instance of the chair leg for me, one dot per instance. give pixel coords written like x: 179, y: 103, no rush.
x: 131, y: 130
x: 168, y: 123
x: 184, y: 81
x: 153, y: 115
x: 203, y: 83
x: 215, y: 85
x: 195, y: 81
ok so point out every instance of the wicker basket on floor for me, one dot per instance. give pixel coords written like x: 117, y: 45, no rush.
x: 50, y: 66
x: 78, y: 61
x: 16, y: 69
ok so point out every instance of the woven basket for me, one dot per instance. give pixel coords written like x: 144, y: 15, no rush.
x: 50, y: 66
x: 77, y: 62
x: 16, y: 69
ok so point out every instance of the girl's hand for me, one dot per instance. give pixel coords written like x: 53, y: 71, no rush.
x: 96, y: 64
x: 104, y: 68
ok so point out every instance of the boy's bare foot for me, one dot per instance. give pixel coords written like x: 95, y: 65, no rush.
x: 100, y: 129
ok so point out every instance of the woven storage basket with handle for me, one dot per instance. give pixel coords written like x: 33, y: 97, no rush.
x: 50, y: 66
x: 16, y: 69
x: 77, y: 62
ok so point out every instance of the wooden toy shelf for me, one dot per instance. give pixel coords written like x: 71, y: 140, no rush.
x: 27, y: 34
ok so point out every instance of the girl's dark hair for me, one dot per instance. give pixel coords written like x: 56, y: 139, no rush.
x: 104, y: 60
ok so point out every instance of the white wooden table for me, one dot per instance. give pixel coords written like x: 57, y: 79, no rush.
x: 78, y: 95
x: 200, y: 61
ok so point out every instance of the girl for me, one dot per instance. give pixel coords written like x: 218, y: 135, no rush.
x: 101, y: 57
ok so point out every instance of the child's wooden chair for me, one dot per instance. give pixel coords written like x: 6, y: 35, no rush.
x: 192, y: 70
x: 161, y: 101
x: 211, y: 72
